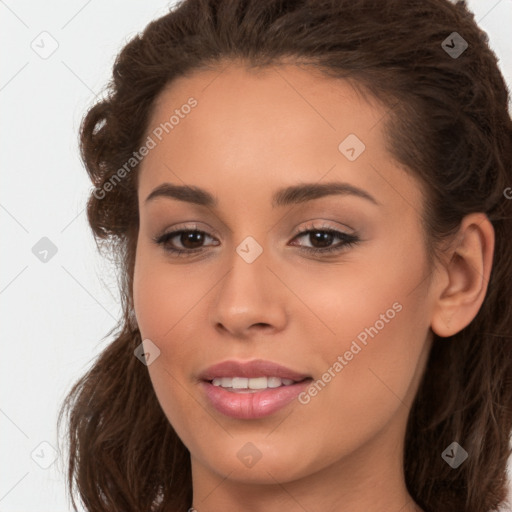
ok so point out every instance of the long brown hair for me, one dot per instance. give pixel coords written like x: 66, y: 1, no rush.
x: 447, y: 122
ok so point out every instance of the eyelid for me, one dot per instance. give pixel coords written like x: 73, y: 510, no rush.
x: 193, y: 226
x: 209, y: 231
x: 311, y: 226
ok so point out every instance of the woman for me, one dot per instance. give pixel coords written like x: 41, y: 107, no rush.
x: 308, y: 204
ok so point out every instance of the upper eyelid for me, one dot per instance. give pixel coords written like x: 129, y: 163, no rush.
x: 310, y: 225
x: 212, y: 232
x: 194, y: 227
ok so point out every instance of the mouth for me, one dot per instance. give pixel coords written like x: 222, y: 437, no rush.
x: 253, y: 384
x: 251, y: 389
x: 252, y: 370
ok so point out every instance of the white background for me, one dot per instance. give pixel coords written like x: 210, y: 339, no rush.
x: 55, y: 315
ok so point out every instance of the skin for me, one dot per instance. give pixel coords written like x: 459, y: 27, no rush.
x: 250, y: 134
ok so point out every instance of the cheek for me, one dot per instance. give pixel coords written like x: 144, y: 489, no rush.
x: 165, y: 294
x: 378, y: 325
x: 372, y: 333
x: 368, y: 372
x: 163, y: 300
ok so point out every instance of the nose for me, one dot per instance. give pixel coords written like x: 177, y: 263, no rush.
x: 250, y: 300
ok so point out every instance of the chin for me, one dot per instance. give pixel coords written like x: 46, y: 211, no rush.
x: 258, y: 462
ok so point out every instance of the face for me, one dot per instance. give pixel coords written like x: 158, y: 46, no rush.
x: 330, y: 281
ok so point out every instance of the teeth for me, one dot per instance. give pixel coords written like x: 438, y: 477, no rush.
x: 240, y: 383
x: 273, y: 382
x: 257, y: 383
x: 252, y: 383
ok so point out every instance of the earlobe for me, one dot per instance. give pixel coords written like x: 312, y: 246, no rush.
x: 466, y: 276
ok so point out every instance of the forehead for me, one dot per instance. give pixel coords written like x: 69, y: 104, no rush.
x: 277, y: 106
x: 278, y: 125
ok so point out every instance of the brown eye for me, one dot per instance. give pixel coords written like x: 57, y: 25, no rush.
x: 321, y: 240
x: 189, y: 241
x: 324, y: 239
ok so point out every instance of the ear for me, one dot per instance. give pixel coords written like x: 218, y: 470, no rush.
x: 461, y: 289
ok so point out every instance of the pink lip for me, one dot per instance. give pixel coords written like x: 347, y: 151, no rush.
x: 247, y: 405
x: 251, y: 405
x: 254, y: 368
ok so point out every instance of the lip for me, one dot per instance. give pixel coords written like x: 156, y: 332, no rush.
x: 256, y: 404
x: 254, y: 368
x: 248, y: 406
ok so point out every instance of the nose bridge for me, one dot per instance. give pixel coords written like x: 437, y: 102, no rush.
x: 247, y: 295
x: 244, y: 285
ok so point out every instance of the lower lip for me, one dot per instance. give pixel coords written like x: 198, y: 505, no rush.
x: 252, y: 405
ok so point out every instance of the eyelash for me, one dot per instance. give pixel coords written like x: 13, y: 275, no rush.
x: 348, y: 241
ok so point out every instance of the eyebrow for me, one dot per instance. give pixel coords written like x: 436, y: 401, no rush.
x: 295, y: 194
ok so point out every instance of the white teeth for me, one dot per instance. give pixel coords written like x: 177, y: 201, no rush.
x: 251, y: 383
x: 240, y: 383
x: 257, y: 383
x: 274, y: 382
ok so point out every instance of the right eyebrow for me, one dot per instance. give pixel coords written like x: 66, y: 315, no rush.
x: 297, y: 194
x: 187, y: 193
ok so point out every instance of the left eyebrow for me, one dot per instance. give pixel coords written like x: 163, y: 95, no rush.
x: 294, y: 194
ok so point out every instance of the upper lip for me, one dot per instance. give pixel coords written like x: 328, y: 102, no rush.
x: 249, y: 369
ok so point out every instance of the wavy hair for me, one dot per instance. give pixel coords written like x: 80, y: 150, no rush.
x: 447, y: 122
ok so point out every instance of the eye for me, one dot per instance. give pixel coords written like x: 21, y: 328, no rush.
x: 191, y: 241
x: 322, y: 238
